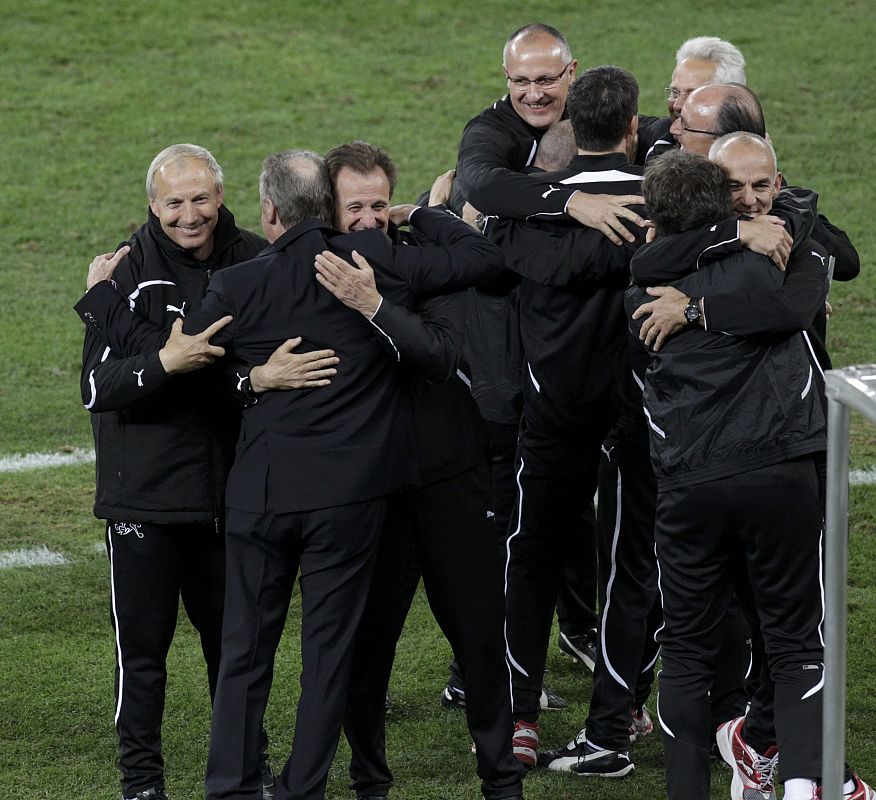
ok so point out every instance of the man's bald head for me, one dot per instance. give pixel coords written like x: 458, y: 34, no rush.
x: 750, y: 163
x: 715, y: 110
x: 536, y: 35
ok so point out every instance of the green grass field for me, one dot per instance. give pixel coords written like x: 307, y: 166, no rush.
x: 93, y: 90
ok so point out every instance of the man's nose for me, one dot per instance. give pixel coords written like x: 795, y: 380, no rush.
x: 368, y: 220
x: 748, y: 196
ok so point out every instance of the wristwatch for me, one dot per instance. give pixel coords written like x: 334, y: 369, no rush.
x: 692, y: 311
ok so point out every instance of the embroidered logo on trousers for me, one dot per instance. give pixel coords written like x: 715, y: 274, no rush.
x: 124, y: 528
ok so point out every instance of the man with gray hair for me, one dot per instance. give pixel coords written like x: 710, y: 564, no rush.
x: 164, y: 444
x: 699, y: 61
x: 310, y: 480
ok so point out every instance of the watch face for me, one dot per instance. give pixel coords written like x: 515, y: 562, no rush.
x: 692, y: 311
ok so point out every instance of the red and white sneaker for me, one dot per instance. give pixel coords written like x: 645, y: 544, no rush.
x: 640, y: 723
x: 525, y: 743
x: 861, y: 790
x: 753, y: 773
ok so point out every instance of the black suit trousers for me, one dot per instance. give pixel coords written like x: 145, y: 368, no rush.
x: 335, y: 549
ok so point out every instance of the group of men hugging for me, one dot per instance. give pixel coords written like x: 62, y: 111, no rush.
x: 593, y: 303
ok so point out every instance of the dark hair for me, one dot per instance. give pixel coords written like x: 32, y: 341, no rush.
x: 601, y: 103
x: 684, y: 190
x: 534, y: 28
x: 363, y: 158
x: 740, y: 111
x: 297, y: 183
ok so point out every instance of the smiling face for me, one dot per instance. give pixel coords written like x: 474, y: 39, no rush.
x: 361, y: 201
x: 539, y: 75
x: 187, y: 204
x: 754, y: 179
x: 689, y: 74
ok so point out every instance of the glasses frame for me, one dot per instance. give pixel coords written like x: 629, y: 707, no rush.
x: 544, y: 82
x: 685, y: 129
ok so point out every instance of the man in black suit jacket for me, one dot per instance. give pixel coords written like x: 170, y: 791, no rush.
x: 312, y: 467
x: 307, y: 489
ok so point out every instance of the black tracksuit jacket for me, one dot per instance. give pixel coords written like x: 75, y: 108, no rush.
x: 572, y: 320
x: 719, y: 404
x: 164, y: 442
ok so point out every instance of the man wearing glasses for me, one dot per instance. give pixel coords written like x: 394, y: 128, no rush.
x: 498, y: 143
x: 713, y: 111
x: 701, y: 60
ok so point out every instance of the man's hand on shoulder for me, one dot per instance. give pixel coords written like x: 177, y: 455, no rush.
x: 288, y: 370
x: 103, y: 266
x: 401, y: 214
x: 354, y: 286
x: 767, y: 235
x: 439, y: 194
x: 666, y: 315
x: 604, y: 212
x: 184, y: 353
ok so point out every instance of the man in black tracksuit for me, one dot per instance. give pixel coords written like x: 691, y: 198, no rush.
x: 727, y: 417
x: 573, y: 331
x: 164, y: 444
x: 500, y: 141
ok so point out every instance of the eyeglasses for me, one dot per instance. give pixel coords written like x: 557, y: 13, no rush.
x: 673, y: 94
x: 695, y: 130
x: 544, y: 82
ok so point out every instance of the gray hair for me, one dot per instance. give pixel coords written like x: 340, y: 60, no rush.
x: 178, y: 154
x: 534, y: 29
x: 297, y: 183
x: 720, y: 146
x: 728, y: 60
x: 556, y: 148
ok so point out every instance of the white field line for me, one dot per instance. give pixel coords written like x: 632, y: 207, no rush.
x: 32, y: 557
x: 860, y: 477
x: 30, y: 461
x: 21, y: 463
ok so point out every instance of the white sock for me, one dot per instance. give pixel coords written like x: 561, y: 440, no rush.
x: 800, y: 789
x: 849, y: 786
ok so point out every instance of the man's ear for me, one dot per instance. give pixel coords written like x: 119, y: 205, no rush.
x: 269, y: 211
x: 777, y: 183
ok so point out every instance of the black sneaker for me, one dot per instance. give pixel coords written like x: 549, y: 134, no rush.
x: 152, y: 793
x: 267, y: 778
x: 581, y: 757
x: 581, y: 648
x: 453, y: 698
x: 551, y: 701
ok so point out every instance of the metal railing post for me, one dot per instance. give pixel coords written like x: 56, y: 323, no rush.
x: 849, y: 388
x: 835, y: 616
